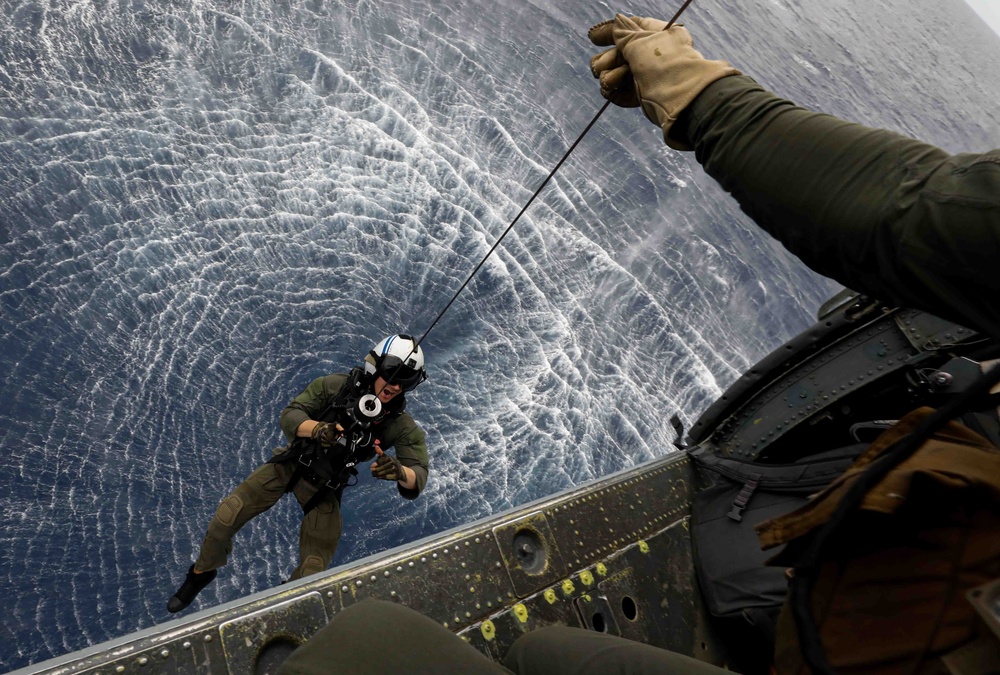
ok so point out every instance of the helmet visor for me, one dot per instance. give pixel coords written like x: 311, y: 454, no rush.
x: 393, y: 371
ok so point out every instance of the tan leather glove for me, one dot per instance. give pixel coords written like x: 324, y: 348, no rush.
x: 657, y: 70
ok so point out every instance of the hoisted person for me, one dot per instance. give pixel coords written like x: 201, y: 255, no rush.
x: 337, y: 422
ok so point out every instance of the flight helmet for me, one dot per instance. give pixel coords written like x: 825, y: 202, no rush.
x: 398, y: 359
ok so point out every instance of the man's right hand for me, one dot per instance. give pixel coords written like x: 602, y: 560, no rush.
x: 327, y: 434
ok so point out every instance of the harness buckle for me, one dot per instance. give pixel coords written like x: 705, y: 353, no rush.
x: 740, y: 503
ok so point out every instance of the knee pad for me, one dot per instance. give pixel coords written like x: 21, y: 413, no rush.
x: 313, y: 564
x: 229, y: 509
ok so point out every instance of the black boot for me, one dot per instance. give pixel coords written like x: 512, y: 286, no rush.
x: 189, y: 590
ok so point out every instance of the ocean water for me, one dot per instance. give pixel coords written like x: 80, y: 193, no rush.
x: 205, y: 205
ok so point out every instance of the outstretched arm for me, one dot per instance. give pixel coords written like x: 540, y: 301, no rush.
x: 883, y: 214
x: 887, y: 215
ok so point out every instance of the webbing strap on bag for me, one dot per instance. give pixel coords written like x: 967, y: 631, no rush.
x: 802, y: 477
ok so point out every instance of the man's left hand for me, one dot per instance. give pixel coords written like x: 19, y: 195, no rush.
x: 387, y: 467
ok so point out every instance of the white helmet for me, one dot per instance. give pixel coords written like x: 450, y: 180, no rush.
x: 398, y: 359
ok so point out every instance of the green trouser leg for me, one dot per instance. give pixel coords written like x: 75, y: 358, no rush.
x: 883, y: 214
x: 318, y: 535
x: 374, y: 637
x: 319, y: 532
x: 260, y: 491
x: 421, y: 646
x: 562, y: 650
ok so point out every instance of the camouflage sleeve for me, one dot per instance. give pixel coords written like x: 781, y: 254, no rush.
x: 310, y: 404
x: 889, y: 216
x: 410, y: 443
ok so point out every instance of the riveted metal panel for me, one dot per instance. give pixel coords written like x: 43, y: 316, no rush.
x: 460, y: 579
x: 476, y: 636
x: 592, y: 525
x: 927, y: 332
x: 530, y: 552
x: 286, y: 624
x: 646, y: 591
x: 628, y: 607
x: 538, y: 612
x: 454, y: 581
x: 810, y: 388
x: 595, y: 611
x: 181, y: 652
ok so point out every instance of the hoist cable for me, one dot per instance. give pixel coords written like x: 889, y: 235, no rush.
x: 513, y: 222
x: 532, y: 199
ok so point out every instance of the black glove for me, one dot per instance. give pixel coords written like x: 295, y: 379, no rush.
x: 388, y: 467
x: 326, y: 433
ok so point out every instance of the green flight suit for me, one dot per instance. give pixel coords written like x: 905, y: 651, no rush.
x: 886, y: 215
x: 320, y: 530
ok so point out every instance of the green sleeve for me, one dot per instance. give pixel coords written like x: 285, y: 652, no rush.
x: 311, y: 403
x: 892, y: 217
x: 410, y: 443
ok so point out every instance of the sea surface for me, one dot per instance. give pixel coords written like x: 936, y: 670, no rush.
x: 206, y: 204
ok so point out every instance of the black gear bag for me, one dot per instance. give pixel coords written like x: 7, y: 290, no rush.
x: 741, y: 592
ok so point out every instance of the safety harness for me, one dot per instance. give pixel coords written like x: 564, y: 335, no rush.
x: 331, y: 468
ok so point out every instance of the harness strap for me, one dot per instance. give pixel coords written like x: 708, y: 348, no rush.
x: 296, y: 476
x: 327, y: 488
x: 315, y: 500
x: 324, y: 486
x: 802, y: 477
x: 742, y: 499
x: 300, y: 449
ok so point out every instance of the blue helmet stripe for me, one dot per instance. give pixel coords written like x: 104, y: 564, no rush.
x: 388, y: 342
